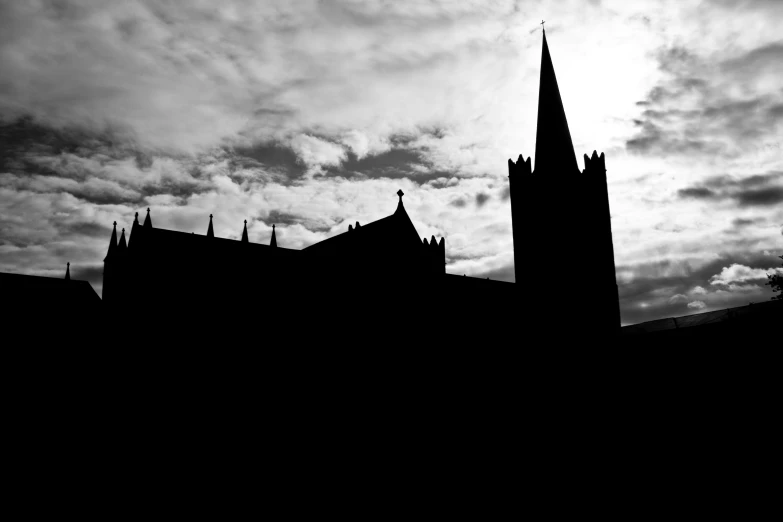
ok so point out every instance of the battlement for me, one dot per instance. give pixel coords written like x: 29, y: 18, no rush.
x: 595, y: 162
x: 435, y: 254
x: 522, y: 166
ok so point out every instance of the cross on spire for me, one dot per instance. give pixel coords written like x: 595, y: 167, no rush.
x: 542, y: 25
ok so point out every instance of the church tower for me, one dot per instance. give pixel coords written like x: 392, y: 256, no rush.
x: 563, y: 251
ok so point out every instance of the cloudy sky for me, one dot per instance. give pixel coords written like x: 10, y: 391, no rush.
x: 312, y: 114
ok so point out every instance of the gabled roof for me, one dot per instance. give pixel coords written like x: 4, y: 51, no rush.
x: 46, y: 293
x: 398, y: 226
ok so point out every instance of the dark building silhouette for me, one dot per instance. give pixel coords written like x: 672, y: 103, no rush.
x: 556, y: 197
x: 370, y: 273
x: 383, y: 270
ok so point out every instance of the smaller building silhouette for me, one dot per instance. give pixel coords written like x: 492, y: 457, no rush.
x: 39, y: 307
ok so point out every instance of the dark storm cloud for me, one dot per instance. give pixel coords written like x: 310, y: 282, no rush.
x: 24, y: 138
x: 753, y: 191
x: 97, y: 167
x: 769, y: 55
x: 761, y: 197
x: 696, y: 109
x: 273, y: 156
x: 395, y: 164
x: 93, y: 190
x: 697, y: 193
x: 741, y: 222
x: 89, y: 229
x: 276, y: 217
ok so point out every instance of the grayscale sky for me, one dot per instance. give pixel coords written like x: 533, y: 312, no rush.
x: 312, y: 114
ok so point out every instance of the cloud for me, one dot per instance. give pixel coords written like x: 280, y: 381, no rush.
x: 362, y: 144
x: 700, y: 108
x: 737, y: 273
x: 697, y: 305
x: 95, y: 190
x: 760, y: 190
x: 315, y: 152
x: 665, y: 286
x: 678, y: 298
x: 743, y: 222
x: 697, y: 193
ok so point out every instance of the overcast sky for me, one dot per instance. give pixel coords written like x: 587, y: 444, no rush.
x: 312, y: 115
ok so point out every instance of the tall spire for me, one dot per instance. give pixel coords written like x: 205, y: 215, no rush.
x: 68, y: 271
x: 122, y: 246
x: 210, y: 230
x: 148, y: 220
x: 554, y: 148
x: 273, y: 241
x: 244, y: 233
x: 112, y: 243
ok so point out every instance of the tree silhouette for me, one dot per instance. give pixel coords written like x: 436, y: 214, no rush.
x: 776, y: 282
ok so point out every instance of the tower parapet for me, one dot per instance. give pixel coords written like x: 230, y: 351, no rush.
x: 434, y: 254
x: 521, y: 167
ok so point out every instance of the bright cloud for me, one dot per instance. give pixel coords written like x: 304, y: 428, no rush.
x: 741, y: 274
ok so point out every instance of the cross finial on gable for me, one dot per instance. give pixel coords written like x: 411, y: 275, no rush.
x: 542, y: 25
x: 400, y: 193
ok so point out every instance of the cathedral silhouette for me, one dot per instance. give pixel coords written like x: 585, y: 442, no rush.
x: 383, y: 271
